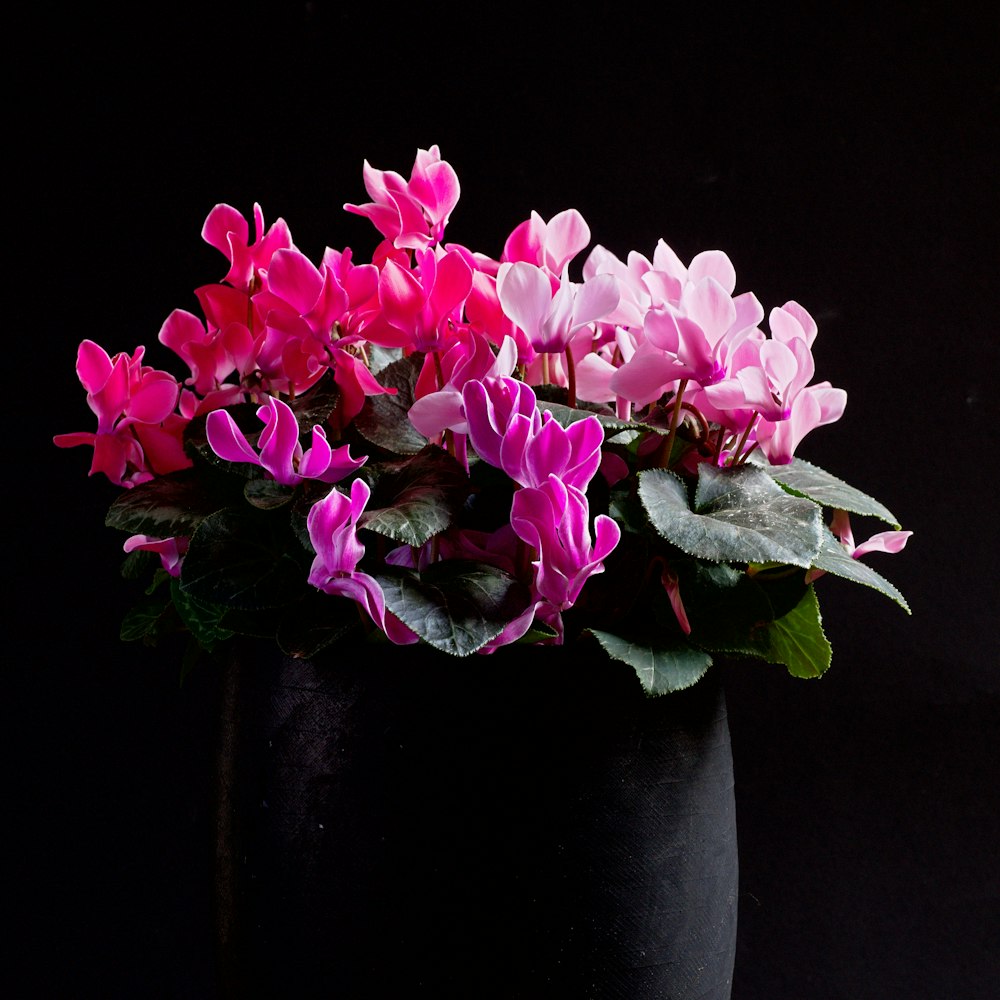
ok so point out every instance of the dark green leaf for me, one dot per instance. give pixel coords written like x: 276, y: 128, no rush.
x: 806, y: 480
x: 660, y: 668
x: 202, y: 620
x: 379, y: 358
x: 741, y: 516
x: 417, y: 499
x: 240, y: 558
x: 148, y: 621
x: 456, y: 606
x: 266, y: 494
x: 164, y: 507
x: 383, y: 419
x: 566, y: 415
x: 316, y: 404
x: 139, y: 563
x: 315, y: 622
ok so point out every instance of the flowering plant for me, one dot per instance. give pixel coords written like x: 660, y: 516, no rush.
x: 445, y: 447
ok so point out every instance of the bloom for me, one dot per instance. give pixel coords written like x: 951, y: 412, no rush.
x: 281, y: 455
x: 554, y: 519
x: 413, y: 213
x: 332, y: 524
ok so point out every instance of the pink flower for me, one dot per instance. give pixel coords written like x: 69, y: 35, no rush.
x: 228, y: 231
x: 882, y: 541
x: 419, y: 307
x: 553, y: 518
x: 138, y: 431
x: 281, y: 455
x: 211, y: 354
x: 549, y: 245
x: 332, y: 524
x: 413, y: 214
x: 507, y: 431
x: 470, y: 359
x: 170, y: 550
x: 549, y: 310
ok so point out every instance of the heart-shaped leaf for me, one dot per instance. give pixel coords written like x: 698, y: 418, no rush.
x: 660, y: 669
x: 241, y: 558
x: 384, y: 419
x: 797, y: 640
x: 741, y: 515
x: 164, y: 507
x: 457, y: 606
x: 417, y: 499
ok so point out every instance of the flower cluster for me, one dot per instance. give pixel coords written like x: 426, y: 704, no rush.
x: 467, y: 450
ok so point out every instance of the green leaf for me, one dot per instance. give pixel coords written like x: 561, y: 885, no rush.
x: 806, y: 480
x: 266, y: 494
x: 316, y: 622
x: 316, y: 404
x: 538, y: 632
x: 379, y: 358
x: 383, y: 419
x: 725, y: 607
x: 417, y: 499
x: 166, y: 506
x: 148, y: 621
x: 834, y: 558
x: 202, y: 620
x: 566, y: 415
x: 797, y: 640
x: 660, y: 669
x: 741, y: 516
x: 457, y: 606
x: 240, y: 558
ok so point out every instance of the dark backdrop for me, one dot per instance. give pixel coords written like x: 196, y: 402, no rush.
x: 847, y: 162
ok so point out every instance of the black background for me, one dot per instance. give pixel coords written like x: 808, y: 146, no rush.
x: 847, y: 162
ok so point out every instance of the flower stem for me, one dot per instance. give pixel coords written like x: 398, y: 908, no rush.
x: 668, y: 446
x: 735, y: 458
x: 570, y: 377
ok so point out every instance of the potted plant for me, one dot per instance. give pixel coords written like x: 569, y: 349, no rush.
x: 463, y: 486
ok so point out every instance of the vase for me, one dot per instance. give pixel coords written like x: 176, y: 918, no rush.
x: 395, y: 822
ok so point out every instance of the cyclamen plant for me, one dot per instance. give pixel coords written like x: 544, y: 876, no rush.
x: 444, y: 447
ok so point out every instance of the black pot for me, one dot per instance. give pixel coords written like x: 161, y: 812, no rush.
x: 395, y: 822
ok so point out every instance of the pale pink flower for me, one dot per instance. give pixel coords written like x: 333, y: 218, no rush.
x: 552, y: 310
x: 882, y: 541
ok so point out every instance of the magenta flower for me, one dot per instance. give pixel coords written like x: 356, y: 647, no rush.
x: 228, y: 231
x: 170, y: 550
x: 412, y: 214
x: 138, y: 431
x: 332, y: 524
x: 507, y: 431
x: 211, y: 354
x: 281, y: 454
x: 469, y: 359
x: 419, y: 307
x: 494, y: 408
x: 554, y: 518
